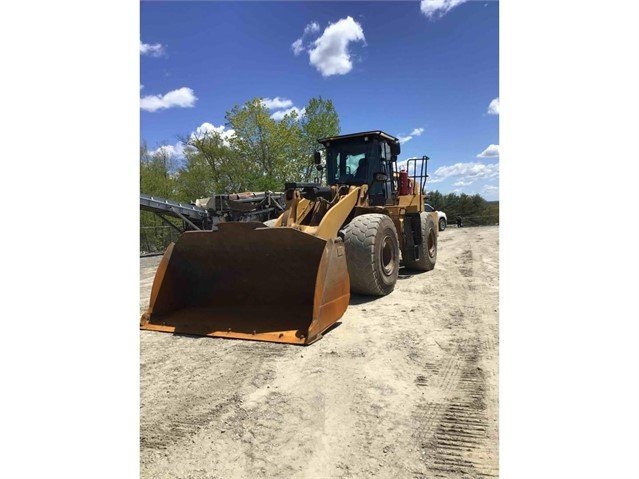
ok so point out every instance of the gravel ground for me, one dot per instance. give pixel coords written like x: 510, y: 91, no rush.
x: 405, y: 386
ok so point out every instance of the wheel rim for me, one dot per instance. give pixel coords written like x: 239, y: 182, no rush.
x: 432, y: 248
x: 387, y: 256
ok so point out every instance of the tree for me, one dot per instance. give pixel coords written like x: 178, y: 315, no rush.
x: 320, y: 120
x: 255, y: 153
x: 436, y: 200
x: 157, y: 177
x: 474, y: 209
x: 268, y: 150
x: 211, y: 167
x: 155, y: 172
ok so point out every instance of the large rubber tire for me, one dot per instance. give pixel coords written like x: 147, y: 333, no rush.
x: 428, y: 251
x: 442, y: 224
x: 372, y: 254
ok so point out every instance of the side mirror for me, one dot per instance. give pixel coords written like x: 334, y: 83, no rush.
x: 317, y: 158
x: 395, y: 149
x: 381, y: 177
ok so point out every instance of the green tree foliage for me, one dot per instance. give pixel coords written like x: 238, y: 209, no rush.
x: 474, y: 209
x: 268, y: 150
x: 211, y: 166
x: 262, y: 154
x: 155, y: 173
x: 156, y: 178
x: 321, y: 120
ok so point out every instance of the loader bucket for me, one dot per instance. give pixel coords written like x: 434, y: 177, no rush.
x: 248, y: 281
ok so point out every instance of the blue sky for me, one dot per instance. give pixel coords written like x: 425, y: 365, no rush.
x: 426, y: 72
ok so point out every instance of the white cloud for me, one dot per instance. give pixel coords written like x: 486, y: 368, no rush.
x: 462, y: 183
x: 415, y: 132
x: 329, y: 53
x: 155, y: 50
x: 298, y: 45
x: 208, y: 128
x: 276, y: 103
x: 465, y: 172
x: 177, y: 151
x: 172, y: 151
x: 493, y: 108
x: 490, y: 192
x: 182, y: 97
x: 283, y: 105
x: 491, y: 152
x: 312, y: 27
x: 278, y: 115
x: 439, y: 8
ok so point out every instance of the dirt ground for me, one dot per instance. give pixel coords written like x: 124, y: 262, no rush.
x: 404, y: 387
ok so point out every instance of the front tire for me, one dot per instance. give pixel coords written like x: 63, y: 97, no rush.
x: 442, y: 224
x: 372, y: 254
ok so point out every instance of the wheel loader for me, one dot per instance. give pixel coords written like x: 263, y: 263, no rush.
x: 289, y: 280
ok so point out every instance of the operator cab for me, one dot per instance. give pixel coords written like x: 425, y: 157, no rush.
x: 363, y: 158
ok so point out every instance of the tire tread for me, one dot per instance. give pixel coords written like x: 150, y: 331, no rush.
x: 359, y: 240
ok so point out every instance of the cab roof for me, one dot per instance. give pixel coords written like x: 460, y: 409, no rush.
x: 374, y: 133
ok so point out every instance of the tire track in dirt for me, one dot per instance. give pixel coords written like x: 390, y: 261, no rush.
x: 463, y: 426
x: 453, y: 432
x: 402, y: 388
x: 189, y: 397
x: 452, y: 429
x: 189, y: 385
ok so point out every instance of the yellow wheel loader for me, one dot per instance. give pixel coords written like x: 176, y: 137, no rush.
x: 290, y: 280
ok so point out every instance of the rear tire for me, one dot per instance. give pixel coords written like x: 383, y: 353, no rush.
x: 372, y: 254
x: 428, y: 249
x: 442, y: 224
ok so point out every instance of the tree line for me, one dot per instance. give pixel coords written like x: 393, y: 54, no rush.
x: 473, y: 209
x: 261, y: 154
